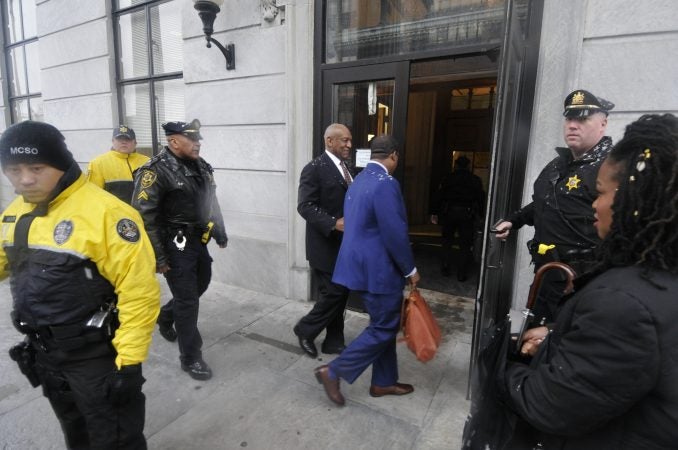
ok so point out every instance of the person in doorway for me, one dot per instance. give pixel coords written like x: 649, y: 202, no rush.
x: 375, y: 259
x: 114, y: 170
x: 322, y: 187
x: 83, y: 287
x: 176, y: 196
x: 561, y: 201
x: 458, y: 205
x: 606, y: 377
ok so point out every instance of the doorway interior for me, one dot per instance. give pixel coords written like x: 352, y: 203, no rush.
x: 451, y: 104
x: 439, y: 109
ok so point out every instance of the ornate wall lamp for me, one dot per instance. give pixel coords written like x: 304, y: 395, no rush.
x: 207, y: 10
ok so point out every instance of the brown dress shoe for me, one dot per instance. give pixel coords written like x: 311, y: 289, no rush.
x: 322, y: 374
x: 396, y: 389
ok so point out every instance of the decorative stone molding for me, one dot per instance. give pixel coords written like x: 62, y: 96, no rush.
x: 269, y: 10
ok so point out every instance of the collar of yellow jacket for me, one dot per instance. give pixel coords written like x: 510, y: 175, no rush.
x: 122, y: 155
x: 79, y: 182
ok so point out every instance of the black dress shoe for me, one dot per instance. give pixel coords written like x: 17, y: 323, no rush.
x: 306, y: 345
x: 332, y: 349
x: 168, y: 332
x: 198, y: 370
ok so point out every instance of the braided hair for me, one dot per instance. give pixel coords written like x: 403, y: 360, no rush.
x: 645, y: 209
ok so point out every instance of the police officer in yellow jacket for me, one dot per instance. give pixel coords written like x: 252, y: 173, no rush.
x: 176, y: 196
x: 114, y: 170
x: 84, y: 289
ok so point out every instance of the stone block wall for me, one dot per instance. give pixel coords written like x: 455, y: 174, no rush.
x: 256, y: 119
x: 251, y: 139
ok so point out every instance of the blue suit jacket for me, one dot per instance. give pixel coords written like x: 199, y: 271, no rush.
x: 375, y: 254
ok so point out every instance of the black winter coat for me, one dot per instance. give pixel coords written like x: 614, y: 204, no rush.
x: 171, y: 193
x: 609, y: 379
x: 561, y: 201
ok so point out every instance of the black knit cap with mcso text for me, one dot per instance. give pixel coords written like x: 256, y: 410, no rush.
x: 33, y: 142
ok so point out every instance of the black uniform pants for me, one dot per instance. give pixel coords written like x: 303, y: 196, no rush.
x: 188, y: 278
x: 458, y: 220
x: 75, y: 389
x: 327, y: 313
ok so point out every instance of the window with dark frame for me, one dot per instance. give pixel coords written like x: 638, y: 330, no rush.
x: 22, y: 60
x: 149, y: 67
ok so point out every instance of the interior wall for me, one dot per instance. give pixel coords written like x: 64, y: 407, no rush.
x: 418, y: 157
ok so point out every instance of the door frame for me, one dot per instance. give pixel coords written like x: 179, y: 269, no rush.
x: 397, y: 71
x: 510, y: 142
x: 516, y: 139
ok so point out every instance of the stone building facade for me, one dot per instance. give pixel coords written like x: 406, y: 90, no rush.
x: 258, y: 119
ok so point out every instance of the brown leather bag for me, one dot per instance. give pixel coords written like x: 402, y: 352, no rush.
x: 420, y: 328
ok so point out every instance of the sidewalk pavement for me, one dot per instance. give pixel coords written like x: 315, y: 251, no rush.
x: 263, y: 394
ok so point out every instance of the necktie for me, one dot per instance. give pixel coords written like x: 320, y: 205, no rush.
x: 347, y: 177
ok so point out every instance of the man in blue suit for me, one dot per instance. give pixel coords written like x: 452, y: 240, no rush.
x: 375, y: 259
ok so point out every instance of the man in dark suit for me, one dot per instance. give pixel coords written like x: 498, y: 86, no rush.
x: 322, y: 187
x: 375, y: 259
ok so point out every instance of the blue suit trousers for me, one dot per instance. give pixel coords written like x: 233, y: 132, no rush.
x: 376, y: 345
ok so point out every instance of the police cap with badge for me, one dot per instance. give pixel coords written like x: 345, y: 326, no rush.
x: 124, y: 132
x: 189, y: 129
x: 581, y: 103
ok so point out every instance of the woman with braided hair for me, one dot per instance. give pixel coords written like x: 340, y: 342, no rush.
x: 606, y: 377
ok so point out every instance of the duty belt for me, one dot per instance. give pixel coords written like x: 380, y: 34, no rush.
x: 69, y: 337
x: 187, y: 228
x: 62, y: 337
x: 582, y: 259
x: 180, y: 232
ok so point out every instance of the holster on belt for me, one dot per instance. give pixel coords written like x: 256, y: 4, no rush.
x: 207, y: 235
x: 24, y: 356
x: 542, y: 253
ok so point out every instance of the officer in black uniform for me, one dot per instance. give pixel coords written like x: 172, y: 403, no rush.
x: 561, y: 210
x: 459, y: 202
x: 84, y: 290
x: 176, y: 196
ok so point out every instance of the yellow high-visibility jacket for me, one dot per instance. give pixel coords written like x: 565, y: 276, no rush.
x: 88, y: 249
x: 113, y: 171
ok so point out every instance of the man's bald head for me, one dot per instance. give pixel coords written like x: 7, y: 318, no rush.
x: 338, y: 141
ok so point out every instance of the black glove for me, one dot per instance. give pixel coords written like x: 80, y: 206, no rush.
x: 120, y: 386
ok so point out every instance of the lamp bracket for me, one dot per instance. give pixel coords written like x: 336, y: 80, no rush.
x: 228, y: 51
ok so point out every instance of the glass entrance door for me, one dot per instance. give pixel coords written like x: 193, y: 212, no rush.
x: 369, y: 100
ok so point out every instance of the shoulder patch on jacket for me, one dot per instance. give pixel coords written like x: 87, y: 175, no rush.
x: 63, y: 231
x: 128, y: 230
x: 148, y: 177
